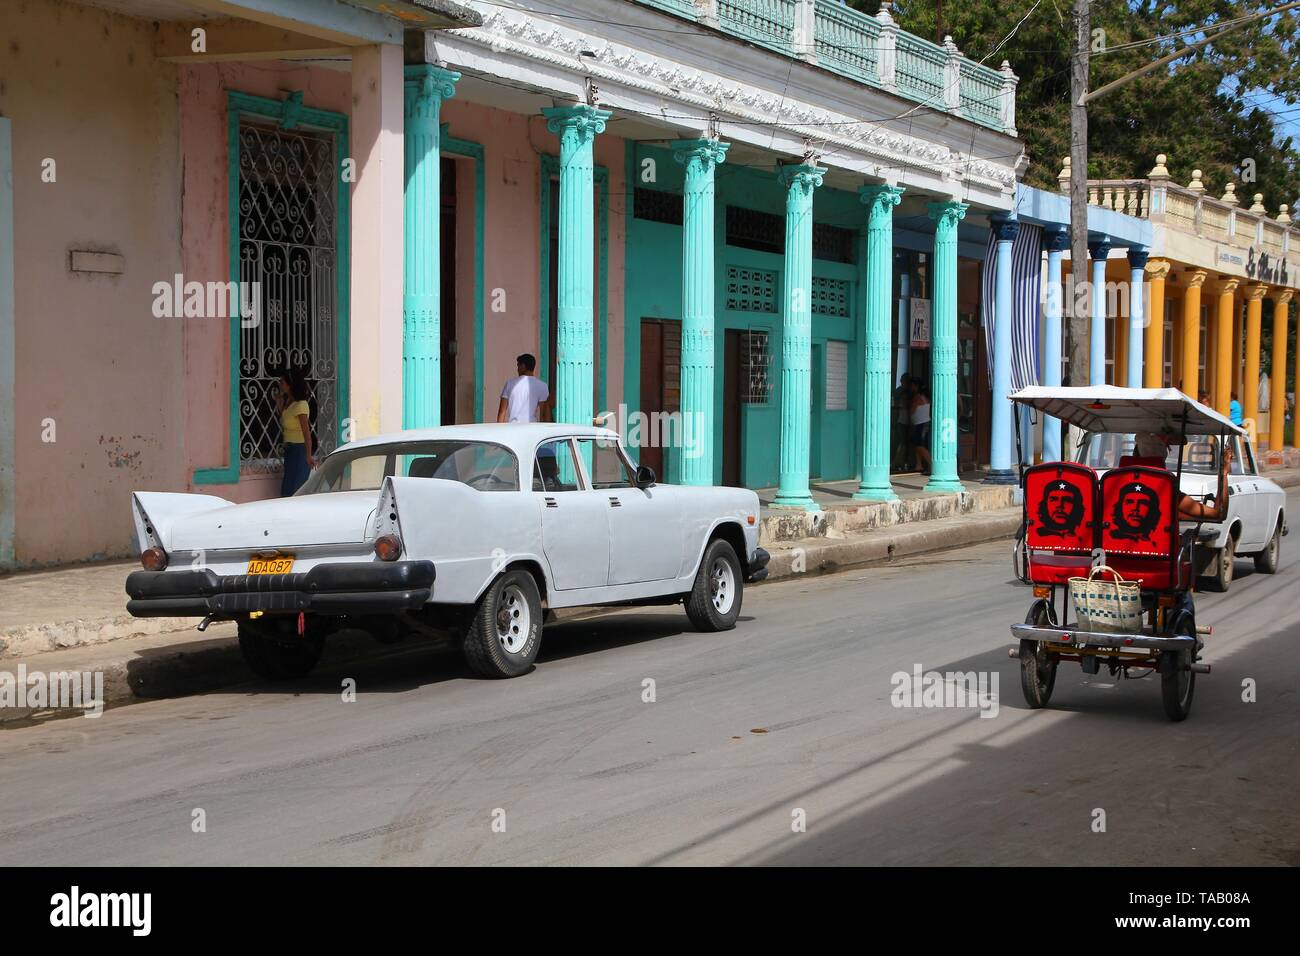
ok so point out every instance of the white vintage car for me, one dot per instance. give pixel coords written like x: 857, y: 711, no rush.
x: 471, y: 530
x: 1256, y: 518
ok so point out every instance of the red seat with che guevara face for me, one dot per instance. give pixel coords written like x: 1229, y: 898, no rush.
x: 1139, y: 524
x: 1060, y: 520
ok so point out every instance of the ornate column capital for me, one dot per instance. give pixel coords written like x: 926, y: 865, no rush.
x: 1197, y: 278
x: 1137, y: 257
x: 1158, y: 268
x: 1056, y: 238
x: 880, y: 198
x: 1283, y: 297
x: 1100, y: 248
x: 947, y: 213
x: 802, y: 176
x: 425, y: 83
x: 709, y: 151
x: 1256, y: 292
x: 1004, y: 227
x: 586, y: 121
x: 1228, y: 286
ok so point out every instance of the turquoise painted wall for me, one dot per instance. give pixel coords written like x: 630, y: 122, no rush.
x: 653, y: 290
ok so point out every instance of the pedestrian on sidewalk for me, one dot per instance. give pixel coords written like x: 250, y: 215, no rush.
x: 920, y: 419
x: 291, y: 400
x: 525, y: 397
x: 1234, y: 410
x: 902, y: 434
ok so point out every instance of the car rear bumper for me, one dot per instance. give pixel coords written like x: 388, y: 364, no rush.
x: 757, y: 565
x: 364, y: 587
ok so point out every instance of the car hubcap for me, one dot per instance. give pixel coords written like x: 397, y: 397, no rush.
x: 512, y: 619
x: 722, y: 585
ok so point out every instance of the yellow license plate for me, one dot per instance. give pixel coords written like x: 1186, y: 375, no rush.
x: 280, y: 564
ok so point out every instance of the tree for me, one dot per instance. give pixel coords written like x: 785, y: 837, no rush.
x: 1209, y: 110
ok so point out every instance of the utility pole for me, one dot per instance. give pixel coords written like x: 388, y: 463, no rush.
x: 1078, y: 327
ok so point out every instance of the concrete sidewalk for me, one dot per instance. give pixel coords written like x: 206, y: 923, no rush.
x: 73, y: 619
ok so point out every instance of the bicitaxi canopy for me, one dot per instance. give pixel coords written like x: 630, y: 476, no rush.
x: 1109, y: 408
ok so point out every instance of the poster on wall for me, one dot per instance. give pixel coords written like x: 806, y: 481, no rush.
x: 920, y: 322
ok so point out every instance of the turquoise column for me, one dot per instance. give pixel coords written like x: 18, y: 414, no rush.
x: 796, y: 338
x: 877, y: 391
x: 574, y: 387
x: 943, y: 347
x: 1001, y: 441
x: 1097, y: 331
x: 425, y: 88
x: 1057, y: 240
x: 700, y: 157
x: 1137, y: 325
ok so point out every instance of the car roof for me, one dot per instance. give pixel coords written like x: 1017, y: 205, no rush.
x: 519, y: 437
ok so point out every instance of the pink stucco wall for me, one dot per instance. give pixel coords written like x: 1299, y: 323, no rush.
x: 82, y: 88
x: 205, y: 240
x: 512, y: 145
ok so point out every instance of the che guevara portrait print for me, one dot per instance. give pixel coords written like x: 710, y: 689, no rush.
x: 1060, y: 510
x: 1136, y: 512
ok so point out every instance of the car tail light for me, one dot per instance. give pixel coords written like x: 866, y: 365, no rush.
x: 153, y: 559
x: 388, y: 547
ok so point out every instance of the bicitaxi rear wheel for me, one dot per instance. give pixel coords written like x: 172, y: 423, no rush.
x: 1037, y: 668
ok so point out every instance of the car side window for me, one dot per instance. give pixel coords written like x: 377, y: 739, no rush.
x: 554, y: 468
x: 1238, y: 466
x: 1248, y: 462
x: 608, y: 470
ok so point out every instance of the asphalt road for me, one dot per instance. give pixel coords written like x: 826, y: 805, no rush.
x: 789, y: 712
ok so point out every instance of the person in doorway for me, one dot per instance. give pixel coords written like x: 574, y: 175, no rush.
x: 295, y: 425
x: 902, y: 442
x: 525, y: 397
x: 1234, y: 410
x: 920, y: 421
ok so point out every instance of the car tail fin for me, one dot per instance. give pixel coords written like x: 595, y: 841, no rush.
x: 386, y: 515
x: 153, y: 511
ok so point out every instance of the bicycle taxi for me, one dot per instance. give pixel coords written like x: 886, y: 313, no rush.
x: 1117, y: 549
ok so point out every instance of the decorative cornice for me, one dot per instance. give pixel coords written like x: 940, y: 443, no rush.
x: 520, y: 34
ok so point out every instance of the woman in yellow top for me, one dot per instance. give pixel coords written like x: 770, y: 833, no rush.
x: 295, y: 422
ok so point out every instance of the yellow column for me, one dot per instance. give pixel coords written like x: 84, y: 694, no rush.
x: 1223, y: 340
x: 1250, y: 376
x: 1153, y: 356
x: 1277, y: 384
x: 1192, y: 333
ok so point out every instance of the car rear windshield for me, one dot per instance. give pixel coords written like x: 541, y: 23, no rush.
x: 482, y: 465
x: 1103, y: 450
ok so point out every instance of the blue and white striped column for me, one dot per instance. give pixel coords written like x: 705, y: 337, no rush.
x: 1001, y: 442
x: 1057, y: 240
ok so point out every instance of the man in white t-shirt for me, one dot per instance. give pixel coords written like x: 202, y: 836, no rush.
x: 525, y: 396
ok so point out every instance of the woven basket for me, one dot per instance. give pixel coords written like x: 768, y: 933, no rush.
x: 1113, y: 606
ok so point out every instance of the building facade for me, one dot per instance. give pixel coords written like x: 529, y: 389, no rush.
x: 710, y: 211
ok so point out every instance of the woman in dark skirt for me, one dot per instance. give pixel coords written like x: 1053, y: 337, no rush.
x: 295, y: 421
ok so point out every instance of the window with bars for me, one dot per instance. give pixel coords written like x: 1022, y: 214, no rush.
x: 287, y: 256
x: 755, y: 368
x: 656, y: 205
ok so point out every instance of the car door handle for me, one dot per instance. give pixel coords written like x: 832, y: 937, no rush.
x: 615, y: 503
x: 551, y: 503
